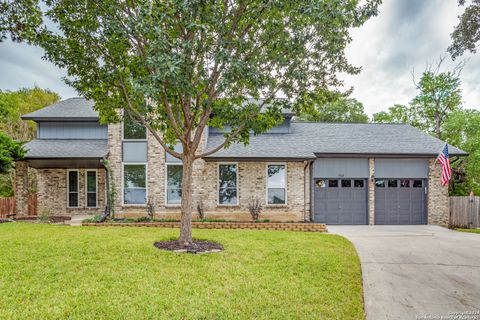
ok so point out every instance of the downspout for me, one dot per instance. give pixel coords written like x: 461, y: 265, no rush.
x: 107, y: 185
x: 305, y: 186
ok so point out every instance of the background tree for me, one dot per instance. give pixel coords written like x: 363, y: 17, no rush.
x: 176, y: 66
x: 466, y: 35
x: 397, y: 113
x: 14, y: 104
x: 462, y: 129
x: 10, y: 151
x: 439, y: 95
x: 343, y: 109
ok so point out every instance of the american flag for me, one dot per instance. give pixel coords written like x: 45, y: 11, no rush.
x: 445, y: 162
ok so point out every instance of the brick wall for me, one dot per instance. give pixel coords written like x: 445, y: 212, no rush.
x: 438, y: 201
x: 252, y: 183
x: 21, y: 187
x: 371, y: 191
x: 52, y: 192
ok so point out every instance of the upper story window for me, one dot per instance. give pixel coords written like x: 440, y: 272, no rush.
x: 227, y: 184
x: 132, y: 130
x: 276, y: 184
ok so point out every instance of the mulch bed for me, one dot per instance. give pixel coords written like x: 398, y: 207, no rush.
x: 199, y: 246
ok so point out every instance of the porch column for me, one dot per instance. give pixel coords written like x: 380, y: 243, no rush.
x: 21, y: 187
x: 371, y: 191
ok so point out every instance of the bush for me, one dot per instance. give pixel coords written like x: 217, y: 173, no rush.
x: 44, y: 217
x: 201, y: 210
x: 96, y: 218
x: 255, y: 208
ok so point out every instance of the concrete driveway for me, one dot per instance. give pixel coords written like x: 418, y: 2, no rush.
x: 417, y: 272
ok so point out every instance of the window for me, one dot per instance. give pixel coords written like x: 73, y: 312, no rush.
x: 358, y: 183
x: 333, y: 183
x: 417, y: 183
x: 227, y: 184
x: 346, y: 183
x: 392, y: 183
x: 276, y: 191
x: 72, y: 182
x: 132, y: 130
x: 174, y: 183
x: 91, y: 188
x: 404, y: 183
x: 380, y: 183
x: 134, y: 184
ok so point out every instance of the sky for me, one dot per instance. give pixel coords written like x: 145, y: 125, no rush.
x: 403, y: 38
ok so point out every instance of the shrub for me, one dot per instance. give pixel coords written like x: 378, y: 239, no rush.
x: 201, y: 210
x: 255, y: 208
x: 44, y: 217
x: 151, y: 208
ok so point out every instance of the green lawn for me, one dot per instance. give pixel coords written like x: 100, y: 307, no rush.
x: 60, y: 272
x: 468, y: 230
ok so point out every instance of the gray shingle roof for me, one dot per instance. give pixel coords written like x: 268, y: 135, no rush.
x: 40, y: 149
x: 69, y: 109
x: 308, y: 138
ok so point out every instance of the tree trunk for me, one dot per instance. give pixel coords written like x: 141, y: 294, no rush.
x: 187, y: 202
x: 438, y: 124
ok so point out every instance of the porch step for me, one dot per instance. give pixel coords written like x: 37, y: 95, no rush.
x: 77, y: 219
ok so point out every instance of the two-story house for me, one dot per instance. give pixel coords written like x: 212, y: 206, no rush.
x: 336, y: 173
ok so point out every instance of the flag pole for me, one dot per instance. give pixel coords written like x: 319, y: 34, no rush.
x: 440, y: 151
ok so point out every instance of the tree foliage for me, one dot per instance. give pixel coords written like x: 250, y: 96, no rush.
x: 176, y: 66
x: 14, y: 104
x: 10, y: 151
x: 462, y: 129
x: 466, y: 35
x: 343, y: 109
x: 439, y: 95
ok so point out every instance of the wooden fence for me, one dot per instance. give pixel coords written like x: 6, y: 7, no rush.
x: 465, y: 212
x: 8, y: 206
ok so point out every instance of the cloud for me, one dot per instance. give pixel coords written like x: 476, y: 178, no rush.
x: 403, y: 37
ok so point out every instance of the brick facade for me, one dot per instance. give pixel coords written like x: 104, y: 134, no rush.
x: 438, y: 205
x: 52, y: 192
x: 371, y: 191
x: 21, y: 187
x: 52, y: 188
x: 251, y: 183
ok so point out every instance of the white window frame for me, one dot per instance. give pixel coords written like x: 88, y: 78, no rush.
x: 166, y: 183
x: 123, y: 184
x: 86, y: 187
x: 123, y: 139
x: 266, y: 183
x: 78, y: 188
x: 218, y: 185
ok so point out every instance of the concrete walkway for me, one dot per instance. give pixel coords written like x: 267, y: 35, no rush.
x: 78, y: 218
x: 410, y: 272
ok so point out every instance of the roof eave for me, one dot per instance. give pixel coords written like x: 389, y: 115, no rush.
x: 385, y: 155
x: 38, y: 119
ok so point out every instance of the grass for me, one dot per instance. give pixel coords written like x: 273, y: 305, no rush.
x: 60, y: 272
x: 468, y: 230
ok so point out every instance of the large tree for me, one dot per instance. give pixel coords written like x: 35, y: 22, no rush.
x: 176, y: 66
x: 14, y: 104
x: 462, y: 129
x: 343, y: 109
x: 439, y: 95
x: 466, y: 35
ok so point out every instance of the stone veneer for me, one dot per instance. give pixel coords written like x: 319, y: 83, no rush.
x: 438, y: 201
x: 251, y: 183
x: 21, y: 187
x: 52, y: 192
x: 371, y: 191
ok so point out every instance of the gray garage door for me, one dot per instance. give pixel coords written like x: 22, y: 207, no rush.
x: 400, y: 201
x: 340, y: 201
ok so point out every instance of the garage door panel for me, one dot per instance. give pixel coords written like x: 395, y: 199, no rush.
x: 343, y: 201
x: 400, y: 201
